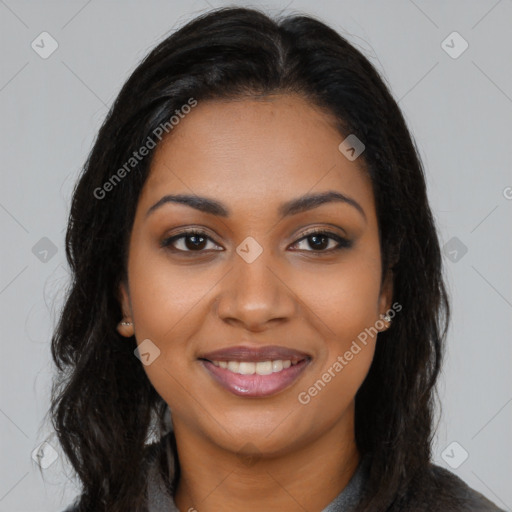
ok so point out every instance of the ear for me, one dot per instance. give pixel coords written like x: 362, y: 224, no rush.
x: 123, y: 296
x: 386, y: 294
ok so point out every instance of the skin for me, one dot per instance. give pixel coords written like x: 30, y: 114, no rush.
x: 245, y: 154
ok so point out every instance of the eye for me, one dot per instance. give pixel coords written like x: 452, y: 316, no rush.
x: 320, y: 241
x: 189, y: 241
x: 197, y: 241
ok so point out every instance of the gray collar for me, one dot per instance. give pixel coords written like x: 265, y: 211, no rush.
x: 160, y: 500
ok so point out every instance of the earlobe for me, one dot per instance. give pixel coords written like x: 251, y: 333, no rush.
x: 125, y: 327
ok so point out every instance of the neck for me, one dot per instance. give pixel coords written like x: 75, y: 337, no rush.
x: 305, y: 478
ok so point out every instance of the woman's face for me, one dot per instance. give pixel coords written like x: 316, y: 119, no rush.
x: 256, y: 291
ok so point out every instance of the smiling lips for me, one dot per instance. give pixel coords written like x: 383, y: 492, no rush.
x: 255, y: 372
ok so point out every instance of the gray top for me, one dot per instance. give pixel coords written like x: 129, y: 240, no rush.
x: 453, y: 494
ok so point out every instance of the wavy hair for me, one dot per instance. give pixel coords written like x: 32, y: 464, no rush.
x: 104, y: 409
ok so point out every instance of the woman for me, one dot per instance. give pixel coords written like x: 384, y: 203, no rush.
x: 253, y: 252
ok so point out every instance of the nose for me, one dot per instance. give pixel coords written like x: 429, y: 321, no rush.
x: 255, y: 294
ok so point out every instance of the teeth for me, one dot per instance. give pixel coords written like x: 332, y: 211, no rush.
x: 277, y: 366
x: 246, y: 368
x: 233, y: 366
x: 264, y: 368
x: 260, y: 368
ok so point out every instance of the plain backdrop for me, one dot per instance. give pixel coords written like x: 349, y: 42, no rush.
x: 456, y: 100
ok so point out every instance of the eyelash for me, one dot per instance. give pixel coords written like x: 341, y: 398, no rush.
x: 343, y: 243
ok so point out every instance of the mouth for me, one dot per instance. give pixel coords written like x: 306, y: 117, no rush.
x: 255, y: 372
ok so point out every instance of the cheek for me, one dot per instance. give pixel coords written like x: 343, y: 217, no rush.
x: 163, y: 293
x: 345, y: 306
x: 167, y: 310
x: 344, y: 299
x: 332, y: 391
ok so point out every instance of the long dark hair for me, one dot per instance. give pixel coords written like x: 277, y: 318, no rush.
x: 104, y: 408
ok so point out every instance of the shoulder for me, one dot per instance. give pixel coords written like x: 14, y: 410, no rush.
x: 445, y: 491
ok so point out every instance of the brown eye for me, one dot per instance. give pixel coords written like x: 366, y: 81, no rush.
x: 322, y: 241
x: 189, y: 241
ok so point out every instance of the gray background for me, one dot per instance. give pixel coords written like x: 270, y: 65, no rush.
x: 459, y: 110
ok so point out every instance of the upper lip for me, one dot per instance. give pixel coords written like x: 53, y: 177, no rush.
x: 255, y: 354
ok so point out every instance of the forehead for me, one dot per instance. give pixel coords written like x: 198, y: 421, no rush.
x: 255, y: 150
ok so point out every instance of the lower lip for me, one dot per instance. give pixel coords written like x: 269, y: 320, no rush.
x: 255, y: 385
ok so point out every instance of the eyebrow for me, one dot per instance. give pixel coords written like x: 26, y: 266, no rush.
x: 292, y: 207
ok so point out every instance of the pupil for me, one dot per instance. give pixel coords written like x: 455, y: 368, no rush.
x: 195, y: 244
x: 315, y: 244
